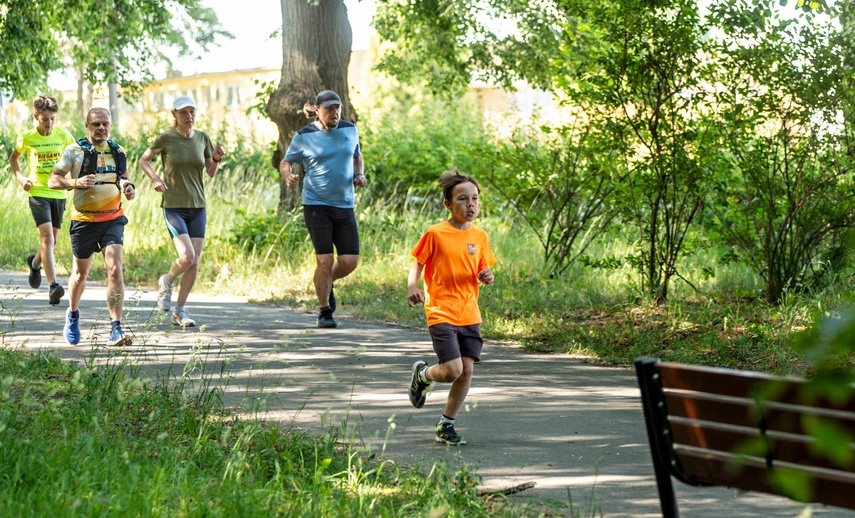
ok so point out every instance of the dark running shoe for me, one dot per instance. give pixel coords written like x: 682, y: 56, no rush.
x: 332, y: 298
x: 325, y: 319
x: 418, y: 389
x: 445, y: 433
x: 55, y: 294
x: 35, y: 273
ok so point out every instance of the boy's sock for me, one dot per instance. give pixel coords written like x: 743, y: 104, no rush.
x: 115, y: 324
x: 446, y: 420
x: 423, y: 374
x: 74, y: 314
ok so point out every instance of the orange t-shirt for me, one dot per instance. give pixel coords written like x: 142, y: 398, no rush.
x: 452, y: 259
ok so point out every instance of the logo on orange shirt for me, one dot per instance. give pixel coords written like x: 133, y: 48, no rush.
x: 471, y: 249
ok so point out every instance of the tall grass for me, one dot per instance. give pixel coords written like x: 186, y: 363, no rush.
x: 82, y: 441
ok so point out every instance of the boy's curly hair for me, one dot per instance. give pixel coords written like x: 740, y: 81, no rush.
x: 453, y: 177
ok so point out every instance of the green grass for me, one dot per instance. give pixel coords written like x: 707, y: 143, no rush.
x: 81, y: 441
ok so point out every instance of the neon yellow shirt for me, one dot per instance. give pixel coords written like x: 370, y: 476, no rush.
x: 42, y: 153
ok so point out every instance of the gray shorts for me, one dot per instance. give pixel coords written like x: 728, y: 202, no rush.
x: 451, y: 342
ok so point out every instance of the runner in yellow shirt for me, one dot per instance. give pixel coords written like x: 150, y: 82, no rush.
x: 43, y: 146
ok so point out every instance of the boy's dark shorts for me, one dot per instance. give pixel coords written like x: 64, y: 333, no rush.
x: 47, y: 210
x: 186, y: 221
x: 89, y: 237
x: 451, y: 342
x: 330, y: 226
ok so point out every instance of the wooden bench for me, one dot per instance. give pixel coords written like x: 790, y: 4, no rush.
x: 750, y: 431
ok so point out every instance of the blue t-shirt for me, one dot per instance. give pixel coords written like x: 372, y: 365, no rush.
x: 327, y: 158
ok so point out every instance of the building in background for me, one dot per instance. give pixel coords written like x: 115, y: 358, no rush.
x: 224, y: 100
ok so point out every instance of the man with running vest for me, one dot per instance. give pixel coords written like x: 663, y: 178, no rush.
x: 99, y: 176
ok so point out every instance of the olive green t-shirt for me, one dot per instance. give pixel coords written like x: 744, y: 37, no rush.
x: 183, y: 168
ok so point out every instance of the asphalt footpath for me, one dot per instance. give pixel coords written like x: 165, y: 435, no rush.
x: 573, y: 428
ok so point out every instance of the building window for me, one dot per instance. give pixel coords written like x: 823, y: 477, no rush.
x: 232, y: 96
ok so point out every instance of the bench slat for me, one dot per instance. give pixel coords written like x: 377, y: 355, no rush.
x: 718, y: 469
x: 729, y: 382
x: 792, y: 449
x: 743, y: 412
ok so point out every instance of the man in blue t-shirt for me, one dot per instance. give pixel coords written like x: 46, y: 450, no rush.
x: 329, y: 152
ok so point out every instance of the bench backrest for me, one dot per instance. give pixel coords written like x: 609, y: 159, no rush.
x: 750, y: 431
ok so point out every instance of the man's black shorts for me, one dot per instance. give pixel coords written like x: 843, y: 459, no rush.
x: 88, y: 237
x: 47, y: 210
x: 330, y: 226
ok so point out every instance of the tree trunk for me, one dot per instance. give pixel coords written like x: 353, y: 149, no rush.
x: 316, y: 42
x: 80, y: 84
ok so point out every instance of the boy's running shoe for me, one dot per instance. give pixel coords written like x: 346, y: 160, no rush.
x: 325, y: 319
x: 35, y: 278
x: 164, y: 293
x: 182, y: 318
x: 446, y: 433
x: 418, y: 389
x: 71, y: 330
x: 55, y: 294
x: 118, y: 338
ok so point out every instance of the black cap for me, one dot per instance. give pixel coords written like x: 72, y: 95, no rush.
x: 327, y: 98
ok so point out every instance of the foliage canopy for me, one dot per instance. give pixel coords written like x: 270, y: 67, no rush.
x: 106, y: 41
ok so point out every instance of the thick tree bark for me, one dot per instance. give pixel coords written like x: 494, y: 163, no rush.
x: 316, y: 42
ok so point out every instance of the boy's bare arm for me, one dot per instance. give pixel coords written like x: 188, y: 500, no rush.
x: 25, y: 182
x: 415, y: 295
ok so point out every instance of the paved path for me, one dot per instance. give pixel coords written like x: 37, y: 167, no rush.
x: 571, y: 427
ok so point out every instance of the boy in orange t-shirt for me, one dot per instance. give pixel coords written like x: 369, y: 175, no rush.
x: 455, y: 255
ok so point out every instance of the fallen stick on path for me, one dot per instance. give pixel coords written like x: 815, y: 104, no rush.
x: 508, y: 490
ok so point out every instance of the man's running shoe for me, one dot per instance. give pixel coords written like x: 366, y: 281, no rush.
x: 182, y: 318
x: 118, y: 338
x: 418, y: 389
x: 332, y: 298
x: 35, y: 278
x: 55, y: 294
x: 325, y: 319
x: 71, y: 330
x: 164, y: 293
x: 445, y: 433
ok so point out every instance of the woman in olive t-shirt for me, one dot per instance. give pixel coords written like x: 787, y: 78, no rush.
x: 186, y: 154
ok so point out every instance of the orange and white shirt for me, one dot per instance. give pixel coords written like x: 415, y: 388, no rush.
x: 452, y: 259
x: 102, y: 202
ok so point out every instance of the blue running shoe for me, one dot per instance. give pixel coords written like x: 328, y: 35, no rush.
x: 118, y: 338
x: 72, y: 328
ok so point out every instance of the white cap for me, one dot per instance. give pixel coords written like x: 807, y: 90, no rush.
x: 183, y: 102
